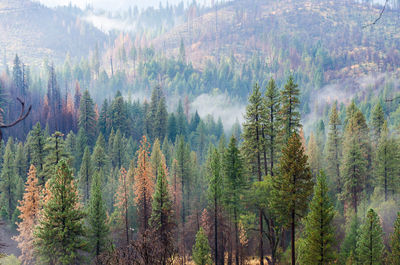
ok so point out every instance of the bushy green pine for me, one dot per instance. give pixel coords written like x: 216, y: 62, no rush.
x: 60, y: 233
x: 290, y: 116
x: 162, y: 216
x: 98, y: 230
x: 201, y: 249
x: 37, y: 144
x: 87, y: 117
x: 99, y: 157
x: 8, y: 184
x: 293, y: 187
x: 55, y: 150
x: 350, y: 241
x: 85, y: 174
x: 319, y: 232
x: 370, y: 246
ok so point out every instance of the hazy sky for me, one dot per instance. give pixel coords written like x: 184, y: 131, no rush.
x: 111, y: 4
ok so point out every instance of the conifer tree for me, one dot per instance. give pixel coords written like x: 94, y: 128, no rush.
x: 334, y: 149
x: 387, y: 160
x: 162, y: 217
x: 378, y: 119
x: 157, y: 158
x: 87, y: 117
x: 319, y: 232
x: 293, y: 187
x: 85, y: 174
x: 234, y: 186
x: 29, y: 208
x: 272, y: 126
x: 215, y: 194
x: 182, y: 156
x: 290, y: 117
x: 314, y: 156
x: 370, y: 246
x: 98, y: 230
x: 55, y: 150
x: 252, y: 147
x: 60, y: 219
x: 37, y: 143
x: 395, y: 242
x: 118, y: 150
x: 144, y: 184
x: 122, y: 199
x: 8, y: 182
x: 350, y: 241
x: 118, y: 114
x: 201, y: 249
x: 20, y: 161
x: 99, y: 157
x: 353, y: 169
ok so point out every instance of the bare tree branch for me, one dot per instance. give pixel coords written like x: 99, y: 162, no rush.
x: 22, y: 116
x: 379, y: 17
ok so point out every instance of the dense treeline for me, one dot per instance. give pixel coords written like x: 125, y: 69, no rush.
x: 131, y: 183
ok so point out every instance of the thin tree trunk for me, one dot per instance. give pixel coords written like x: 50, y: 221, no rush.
x: 293, y: 234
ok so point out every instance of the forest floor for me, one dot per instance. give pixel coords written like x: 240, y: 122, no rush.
x: 11, y: 246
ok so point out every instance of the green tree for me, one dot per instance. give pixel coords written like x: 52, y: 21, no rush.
x: 99, y: 157
x: 215, y: 194
x: 98, y: 230
x: 290, y: 116
x: 370, y: 246
x: 293, y: 187
x: 87, y: 117
x: 201, y: 249
x: 37, y: 143
x: 8, y: 182
x: 334, y: 149
x: 395, y: 242
x: 319, y: 232
x: 253, y: 147
x: 387, y: 160
x: 118, y: 153
x: 234, y: 186
x: 272, y: 129
x: 162, y: 216
x: 350, y: 241
x: 55, y: 150
x: 378, y: 119
x: 85, y: 174
x: 60, y: 233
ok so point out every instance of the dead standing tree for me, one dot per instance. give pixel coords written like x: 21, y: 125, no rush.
x: 22, y: 116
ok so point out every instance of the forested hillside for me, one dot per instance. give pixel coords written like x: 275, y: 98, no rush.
x: 245, y: 132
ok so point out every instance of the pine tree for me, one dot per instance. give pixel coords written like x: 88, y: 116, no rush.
x: 55, y: 149
x: 118, y: 153
x: 122, y: 200
x: 182, y: 156
x: 395, y: 242
x: 157, y: 158
x: 319, y: 232
x: 201, y: 249
x: 378, y: 119
x: 314, y: 156
x: 118, y: 114
x: 370, y: 246
x: 8, y: 182
x: 158, y: 115
x: 350, y: 241
x: 59, y: 235
x: 290, y: 117
x: 37, y: 143
x: 293, y: 187
x: 99, y: 157
x: 29, y: 208
x: 85, y: 174
x: 253, y: 146
x: 162, y: 216
x: 98, y: 230
x: 144, y: 184
x: 234, y: 186
x: 20, y: 162
x: 334, y: 149
x: 87, y: 117
x: 387, y: 160
x: 353, y: 169
x: 272, y: 123
x: 215, y: 194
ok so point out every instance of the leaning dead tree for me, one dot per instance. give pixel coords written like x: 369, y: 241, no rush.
x: 22, y: 116
x: 380, y: 15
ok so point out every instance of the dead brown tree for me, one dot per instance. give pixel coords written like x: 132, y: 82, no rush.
x: 22, y: 116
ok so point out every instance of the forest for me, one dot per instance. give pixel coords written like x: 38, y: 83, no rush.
x: 108, y: 159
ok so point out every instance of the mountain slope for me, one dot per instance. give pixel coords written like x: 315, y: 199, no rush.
x: 36, y: 32
x: 291, y: 35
